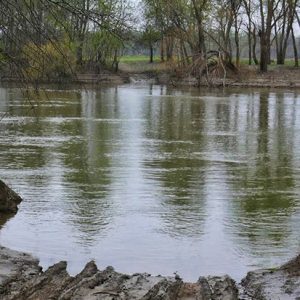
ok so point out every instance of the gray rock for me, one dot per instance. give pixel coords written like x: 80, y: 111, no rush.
x: 9, y: 200
x: 223, y: 288
x: 280, y: 283
x: 16, y: 269
x: 21, y: 278
x: 4, y: 217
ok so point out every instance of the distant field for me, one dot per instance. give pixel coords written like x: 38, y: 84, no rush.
x: 132, y: 59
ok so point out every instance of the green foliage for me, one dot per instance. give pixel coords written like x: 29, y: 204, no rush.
x: 150, y: 35
x: 58, y: 36
x: 48, y: 61
x: 104, y: 47
x: 2, y: 57
x: 46, y: 39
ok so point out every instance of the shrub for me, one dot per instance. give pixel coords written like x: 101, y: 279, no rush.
x: 50, y: 61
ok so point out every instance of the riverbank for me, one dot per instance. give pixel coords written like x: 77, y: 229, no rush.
x: 21, y: 278
x: 246, y: 76
x: 157, y: 73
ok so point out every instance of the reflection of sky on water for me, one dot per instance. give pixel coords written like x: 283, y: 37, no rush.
x: 145, y: 178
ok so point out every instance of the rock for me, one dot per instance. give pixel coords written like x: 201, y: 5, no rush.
x: 223, y: 288
x: 4, y: 217
x: 280, y: 283
x: 292, y: 267
x: 9, y: 200
x: 16, y: 269
x: 21, y: 278
x: 47, y: 285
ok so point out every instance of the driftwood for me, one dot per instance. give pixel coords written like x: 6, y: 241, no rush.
x: 210, y: 67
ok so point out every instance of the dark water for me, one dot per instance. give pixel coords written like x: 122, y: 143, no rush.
x: 150, y: 179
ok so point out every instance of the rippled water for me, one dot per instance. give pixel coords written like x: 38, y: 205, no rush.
x: 152, y: 179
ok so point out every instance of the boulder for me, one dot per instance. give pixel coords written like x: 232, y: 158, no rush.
x: 278, y: 283
x: 9, y: 200
x: 4, y: 217
x: 21, y: 278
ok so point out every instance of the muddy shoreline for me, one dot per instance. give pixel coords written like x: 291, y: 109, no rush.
x: 249, y: 78
x: 22, y: 278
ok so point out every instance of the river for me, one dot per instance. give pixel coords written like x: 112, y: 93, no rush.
x: 151, y: 179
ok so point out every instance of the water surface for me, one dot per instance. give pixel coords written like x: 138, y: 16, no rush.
x: 151, y: 179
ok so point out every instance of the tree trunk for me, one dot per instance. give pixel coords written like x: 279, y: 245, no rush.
x: 269, y: 50
x: 201, y: 36
x: 280, y: 36
x: 278, y: 43
x: 237, y: 44
x: 254, y: 48
x: 289, y: 13
x: 250, y: 47
x: 265, y: 34
x: 280, y: 57
x: 263, y: 53
x: 79, y: 56
x: 151, y: 54
x: 249, y: 35
x: 169, y: 48
x: 162, y: 50
x: 116, y: 62
x: 295, y: 49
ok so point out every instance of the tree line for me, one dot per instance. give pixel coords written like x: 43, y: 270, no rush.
x: 46, y: 38
x: 196, y: 27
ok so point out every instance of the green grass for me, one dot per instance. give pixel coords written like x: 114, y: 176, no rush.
x: 289, y: 62
x: 134, y: 59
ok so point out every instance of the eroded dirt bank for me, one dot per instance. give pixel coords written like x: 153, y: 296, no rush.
x: 145, y: 73
x: 21, y: 278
